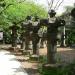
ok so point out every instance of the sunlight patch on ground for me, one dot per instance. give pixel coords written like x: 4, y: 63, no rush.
x: 9, y: 65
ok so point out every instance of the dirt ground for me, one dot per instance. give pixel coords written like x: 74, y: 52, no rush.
x: 65, y: 55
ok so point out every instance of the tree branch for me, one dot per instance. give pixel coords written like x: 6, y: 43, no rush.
x: 59, y: 4
x: 56, y: 4
x: 21, y: 1
x: 8, y: 6
x: 5, y: 8
x: 52, y: 4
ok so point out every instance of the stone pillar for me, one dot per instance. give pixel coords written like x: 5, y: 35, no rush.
x: 35, y: 43
x: 51, y: 45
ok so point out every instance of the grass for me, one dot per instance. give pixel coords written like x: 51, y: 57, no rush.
x: 68, y: 69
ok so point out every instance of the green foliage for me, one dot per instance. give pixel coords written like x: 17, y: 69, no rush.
x: 64, y: 70
x: 7, y: 36
x: 20, y: 11
x: 71, y: 32
x: 61, y: 69
x: 43, y: 59
x: 70, y: 25
x: 17, y: 10
x: 71, y: 37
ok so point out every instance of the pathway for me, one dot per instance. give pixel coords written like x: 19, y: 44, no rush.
x: 9, y: 64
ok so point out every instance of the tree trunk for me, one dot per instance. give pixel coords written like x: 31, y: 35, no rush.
x: 14, y: 42
x: 23, y: 40
x: 63, y: 44
x: 14, y: 39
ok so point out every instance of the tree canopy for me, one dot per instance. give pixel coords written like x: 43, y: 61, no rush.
x: 70, y: 24
x: 17, y: 10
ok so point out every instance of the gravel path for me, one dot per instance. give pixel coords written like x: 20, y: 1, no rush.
x: 9, y: 64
